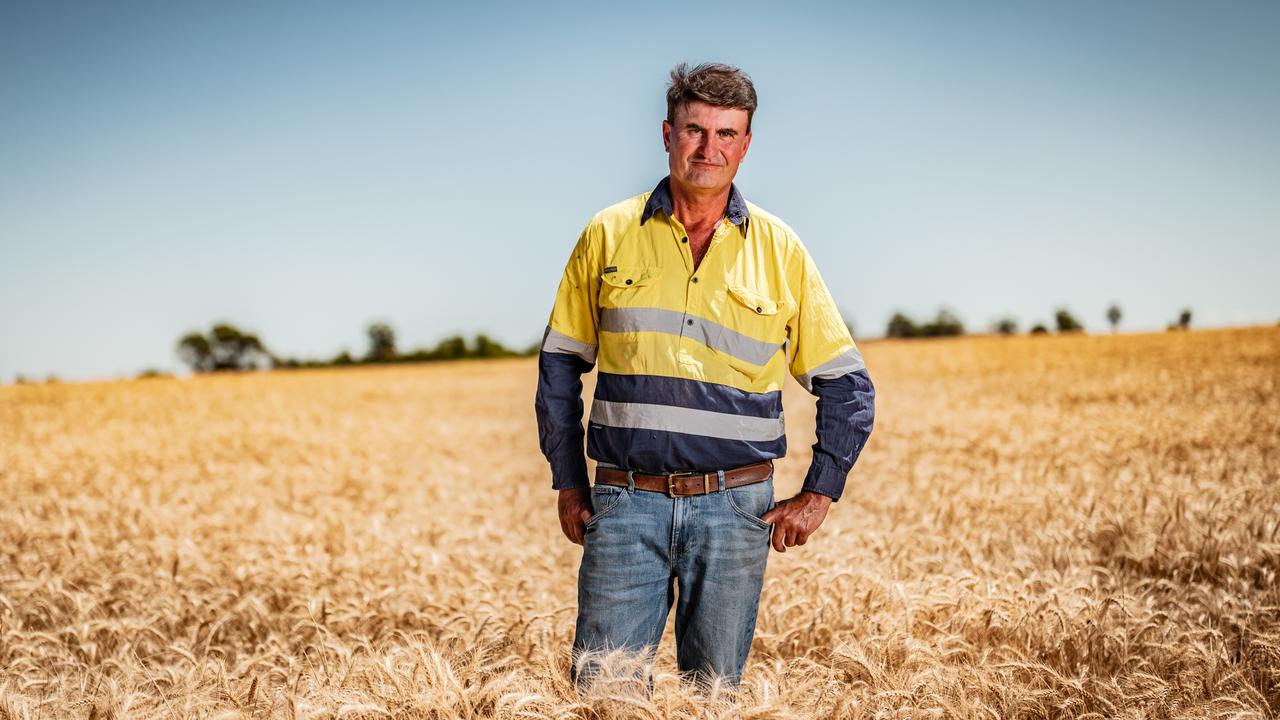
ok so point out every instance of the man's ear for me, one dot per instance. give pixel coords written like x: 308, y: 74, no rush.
x: 746, y: 145
x: 666, y: 136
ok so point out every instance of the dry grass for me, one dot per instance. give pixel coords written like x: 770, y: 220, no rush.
x: 1061, y: 527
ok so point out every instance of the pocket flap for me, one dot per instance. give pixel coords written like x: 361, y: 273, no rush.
x: 623, y: 276
x: 757, y: 303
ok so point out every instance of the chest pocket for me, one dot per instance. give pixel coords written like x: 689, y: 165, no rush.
x: 756, y: 314
x: 760, y: 304
x: 627, y: 286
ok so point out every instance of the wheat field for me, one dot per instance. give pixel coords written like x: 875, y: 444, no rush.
x: 1058, y: 527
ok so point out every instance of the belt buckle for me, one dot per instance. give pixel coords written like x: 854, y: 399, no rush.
x: 671, y: 484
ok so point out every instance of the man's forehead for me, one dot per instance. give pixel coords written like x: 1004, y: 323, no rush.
x: 710, y: 116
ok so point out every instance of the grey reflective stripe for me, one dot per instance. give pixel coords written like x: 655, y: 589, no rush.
x: 845, y: 363
x: 711, y: 334
x: 686, y: 420
x: 553, y: 341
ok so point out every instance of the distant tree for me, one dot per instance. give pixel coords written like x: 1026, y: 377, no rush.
x: 1066, y: 322
x: 486, y: 347
x: 223, y: 348
x: 1113, y: 316
x: 1006, y: 326
x: 152, y: 373
x: 418, y: 355
x: 451, y: 348
x: 382, y: 343
x: 1039, y: 329
x: 1183, y: 322
x: 342, y: 359
x: 946, y: 324
x: 901, y: 326
x: 196, y: 351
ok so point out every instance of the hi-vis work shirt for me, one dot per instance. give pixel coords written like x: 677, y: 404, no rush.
x: 692, y: 361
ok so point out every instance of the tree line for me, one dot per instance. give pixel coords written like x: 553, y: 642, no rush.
x: 225, y: 347
x: 228, y: 348
x: 947, y: 324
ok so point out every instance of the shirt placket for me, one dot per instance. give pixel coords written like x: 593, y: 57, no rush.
x: 694, y: 283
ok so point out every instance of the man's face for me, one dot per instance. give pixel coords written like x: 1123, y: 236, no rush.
x: 705, y: 144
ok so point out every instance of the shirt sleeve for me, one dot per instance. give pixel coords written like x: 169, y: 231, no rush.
x: 568, y: 350
x: 825, y: 360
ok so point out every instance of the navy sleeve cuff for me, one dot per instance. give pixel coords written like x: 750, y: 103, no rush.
x: 569, y: 471
x: 825, y: 477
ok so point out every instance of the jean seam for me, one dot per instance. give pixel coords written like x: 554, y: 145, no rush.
x: 672, y: 559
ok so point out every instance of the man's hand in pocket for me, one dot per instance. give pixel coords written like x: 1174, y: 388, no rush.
x: 575, y: 509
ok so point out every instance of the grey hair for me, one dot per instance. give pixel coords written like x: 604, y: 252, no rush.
x: 712, y: 83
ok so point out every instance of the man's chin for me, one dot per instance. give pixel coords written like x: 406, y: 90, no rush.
x: 706, y: 180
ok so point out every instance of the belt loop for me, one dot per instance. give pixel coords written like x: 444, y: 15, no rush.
x: 631, y: 481
x: 720, y: 477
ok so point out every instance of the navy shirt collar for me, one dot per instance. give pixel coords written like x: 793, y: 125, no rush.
x: 660, y: 199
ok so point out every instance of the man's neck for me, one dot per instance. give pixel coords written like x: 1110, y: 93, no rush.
x: 698, y: 209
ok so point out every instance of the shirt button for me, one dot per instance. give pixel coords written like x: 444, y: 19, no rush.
x: 757, y: 309
x: 629, y: 282
x: 695, y: 279
x: 690, y: 321
x: 684, y: 239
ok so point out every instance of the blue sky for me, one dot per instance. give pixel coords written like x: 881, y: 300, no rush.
x: 301, y: 170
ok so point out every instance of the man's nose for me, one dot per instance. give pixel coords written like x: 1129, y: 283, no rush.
x: 707, y: 148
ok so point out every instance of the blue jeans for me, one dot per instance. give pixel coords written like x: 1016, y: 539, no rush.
x: 641, y: 547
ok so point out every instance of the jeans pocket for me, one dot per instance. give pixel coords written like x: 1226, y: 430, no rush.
x: 604, y: 498
x: 751, y: 501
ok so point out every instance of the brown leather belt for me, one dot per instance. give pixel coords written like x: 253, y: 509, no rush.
x: 684, y: 484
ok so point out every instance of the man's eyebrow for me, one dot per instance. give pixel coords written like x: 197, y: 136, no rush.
x: 696, y: 126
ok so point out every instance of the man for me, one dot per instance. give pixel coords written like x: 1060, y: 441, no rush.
x: 695, y: 303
